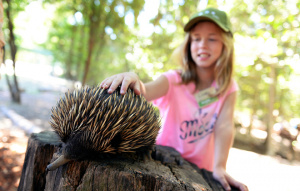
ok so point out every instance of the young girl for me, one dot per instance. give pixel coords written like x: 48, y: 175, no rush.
x: 197, y: 102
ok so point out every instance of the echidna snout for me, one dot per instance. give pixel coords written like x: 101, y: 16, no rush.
x: 92, y: 122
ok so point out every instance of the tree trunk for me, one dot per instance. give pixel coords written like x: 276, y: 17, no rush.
x: 88, y: 60
x: 118, y: 173
x: 80, y: 56
x: 70, y: 58
x: 91, y: 44
x: 96, y: 34
x: 270, y: 123
x: 13, y: 87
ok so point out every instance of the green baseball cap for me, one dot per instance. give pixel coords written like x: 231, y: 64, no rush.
x: 210, y: 14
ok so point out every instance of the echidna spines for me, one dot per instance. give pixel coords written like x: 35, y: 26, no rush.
x: 102, y: 122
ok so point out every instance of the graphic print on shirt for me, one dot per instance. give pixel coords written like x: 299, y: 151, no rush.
x: 197, y: 128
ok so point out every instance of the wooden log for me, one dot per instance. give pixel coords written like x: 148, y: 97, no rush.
x: 39, y: 152
x: 166, y: 172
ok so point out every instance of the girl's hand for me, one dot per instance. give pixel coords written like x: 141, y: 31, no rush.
x: 128, y: 79
x: 226, y: 180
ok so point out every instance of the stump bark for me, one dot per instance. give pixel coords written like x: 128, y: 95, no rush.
x: 168, y: 171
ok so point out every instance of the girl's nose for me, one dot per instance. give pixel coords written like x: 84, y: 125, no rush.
x: 202, y: 43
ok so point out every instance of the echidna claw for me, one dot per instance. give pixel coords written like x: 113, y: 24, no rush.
x: 147, y: 156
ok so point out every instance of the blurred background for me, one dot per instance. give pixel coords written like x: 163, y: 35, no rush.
x: 55, y: 46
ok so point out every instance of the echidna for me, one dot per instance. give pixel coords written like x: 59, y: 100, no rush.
x: 91, y: 121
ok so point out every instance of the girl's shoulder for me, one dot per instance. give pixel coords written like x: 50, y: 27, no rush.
x: 174, y: 76
x: 232, y: 87
x: 233, y: 84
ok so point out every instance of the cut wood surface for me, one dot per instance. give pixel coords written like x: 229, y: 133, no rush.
x: 167, y: 171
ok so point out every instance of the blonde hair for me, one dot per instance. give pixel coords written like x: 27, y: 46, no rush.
x: 223, y: 68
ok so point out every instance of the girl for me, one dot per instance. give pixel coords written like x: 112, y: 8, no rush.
x: 197, y: 102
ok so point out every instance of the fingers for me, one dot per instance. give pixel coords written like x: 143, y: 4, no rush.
x: 235, y: 183
x: 220, y: 175
x: 115, y: 83
x: 136, y: 88
x: 243, y: 188
x: 224, y: 183
x: 126, y: 80
x: 112, y: 83
x: 106, y: 83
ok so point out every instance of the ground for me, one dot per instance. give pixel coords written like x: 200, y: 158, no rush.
x: 13, y: 143
x: 258, y: 171
x: 35, y: 111
x: 16, y: 120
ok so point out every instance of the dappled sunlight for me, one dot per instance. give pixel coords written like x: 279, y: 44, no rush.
x: 18, y: 148
x: 40, y: 76
x: 260, y: 134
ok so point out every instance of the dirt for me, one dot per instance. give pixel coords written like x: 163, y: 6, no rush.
x: 12, y: 151
x: 35, y: 108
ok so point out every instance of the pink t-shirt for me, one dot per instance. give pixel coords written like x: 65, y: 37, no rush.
x: 187, y: 127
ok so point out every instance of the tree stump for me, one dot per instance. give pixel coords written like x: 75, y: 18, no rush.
x: 166, y: 172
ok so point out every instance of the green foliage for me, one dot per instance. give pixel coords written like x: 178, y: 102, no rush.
x: 275, y: 22
x: 14, y: 8
x: 17, y: 5
x: 108, y: 33
x: 120, y: 47
x: 100, y: 30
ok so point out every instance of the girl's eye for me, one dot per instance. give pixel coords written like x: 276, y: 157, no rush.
x: 212, y: 39
x: 196, y: 39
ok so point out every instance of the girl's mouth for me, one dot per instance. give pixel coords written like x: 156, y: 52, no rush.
x: 203, y: 55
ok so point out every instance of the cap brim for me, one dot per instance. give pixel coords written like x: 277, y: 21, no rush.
x: 195, y: 20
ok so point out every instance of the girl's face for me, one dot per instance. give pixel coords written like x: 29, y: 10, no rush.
x: 206, y: 44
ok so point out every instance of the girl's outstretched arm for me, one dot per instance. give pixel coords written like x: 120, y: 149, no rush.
x: 224, y: 134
